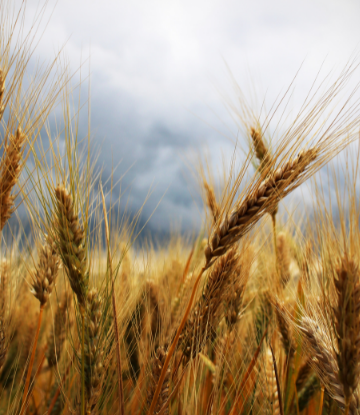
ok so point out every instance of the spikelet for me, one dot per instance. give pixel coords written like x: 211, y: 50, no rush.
x: 72, y: 249
x: 10, y: 172
x: 156, y: 368
x: 57, y: 337
x: 203, y: 316
x: 43, y: 280
x: 264, y: 197
x: 271, y: 390
x: 347, y: 324
x: 94, y: 359
x: 2, y: 91
x: 283, y: 258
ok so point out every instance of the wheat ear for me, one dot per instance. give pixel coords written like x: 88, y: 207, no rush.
x: 42, y: 284
x: 211, y: 201
x: 253, y: 207
x: 71, y: 239
x: 94, y: 369
x: 157, y: 364
x: 347, y: 324
x: 261, y: 151
x: 202, y: 317
x: 43, y: 280
x: 9, y: 176
x: 271, y: 390
x: 265, y: 162
x: 325, y: 361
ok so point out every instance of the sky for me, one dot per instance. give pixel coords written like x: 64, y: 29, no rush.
x: 160, y: 80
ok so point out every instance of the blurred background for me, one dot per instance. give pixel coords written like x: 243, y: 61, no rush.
x: 163, y: 73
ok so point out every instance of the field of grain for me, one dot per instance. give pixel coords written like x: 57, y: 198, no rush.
x: 257, y: 314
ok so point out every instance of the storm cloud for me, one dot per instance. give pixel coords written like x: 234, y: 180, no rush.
x: 158, y: 71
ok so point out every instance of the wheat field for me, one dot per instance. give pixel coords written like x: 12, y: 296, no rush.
x: 258, y: 313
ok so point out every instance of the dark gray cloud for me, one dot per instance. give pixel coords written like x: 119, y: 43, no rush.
x: 153, y: 68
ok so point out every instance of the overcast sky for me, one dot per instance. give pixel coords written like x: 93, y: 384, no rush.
x: 158, y: 72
